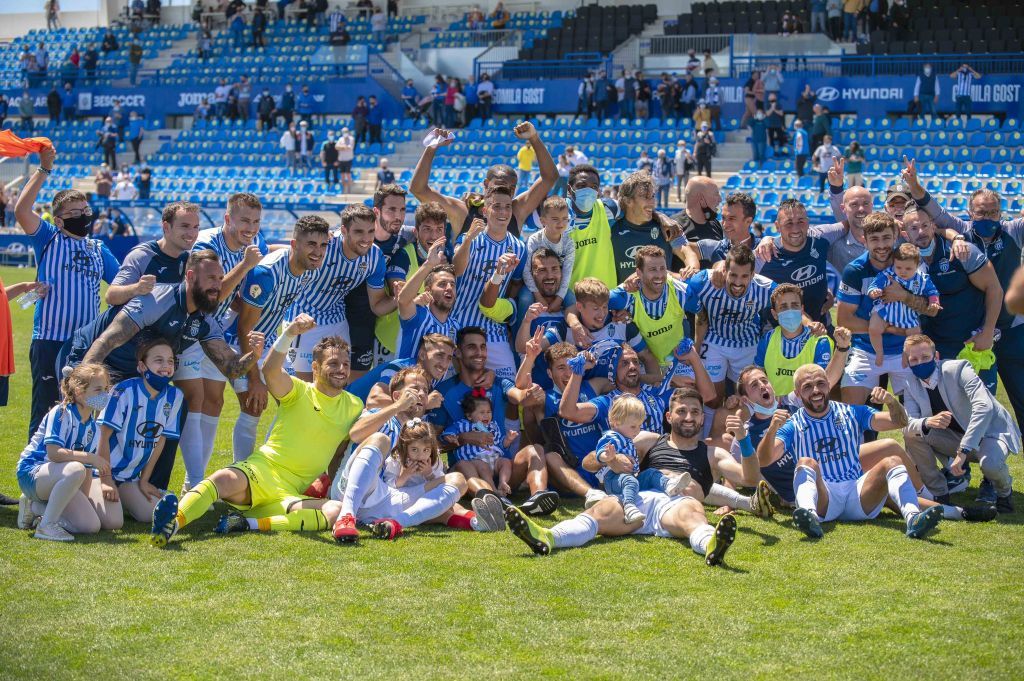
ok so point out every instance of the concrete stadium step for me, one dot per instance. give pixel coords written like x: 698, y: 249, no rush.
x: 165, y: 58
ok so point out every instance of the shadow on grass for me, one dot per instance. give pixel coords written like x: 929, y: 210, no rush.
x: 766, y: 539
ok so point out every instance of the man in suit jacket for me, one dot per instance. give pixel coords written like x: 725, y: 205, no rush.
x: 953, y: 415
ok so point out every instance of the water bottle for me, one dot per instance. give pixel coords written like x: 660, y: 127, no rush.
x: 28, y: 298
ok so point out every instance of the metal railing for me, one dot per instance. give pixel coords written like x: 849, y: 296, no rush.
x: 485, y: 38
x: 681, y: 44
x: 575, y: 65
x: 879, y: 65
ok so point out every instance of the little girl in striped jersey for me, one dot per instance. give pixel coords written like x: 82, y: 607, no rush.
x: 491, y: 464
x: 142, y: 413
x: 906, y: 260
x: 626, y: 417
x: 54, y: 472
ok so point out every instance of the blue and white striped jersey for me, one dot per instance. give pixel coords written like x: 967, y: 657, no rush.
x: 323, y: 298
x: 470, y: 452
x: 833, y: 440
x: 622, y: 445
x: 483, y: 256
x: 73, y: 269
x: 273, y: 288
x: 62, y: 426
x: 138, y: 422
x: 213, y: 239
x: 732, y: 322
x: 897, y: 313
x: 619, y: 299
x: 411, y: 331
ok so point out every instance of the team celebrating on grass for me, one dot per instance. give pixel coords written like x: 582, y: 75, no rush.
x: 511, y: 344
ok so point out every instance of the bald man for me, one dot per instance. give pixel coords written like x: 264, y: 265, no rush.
x: 699, y: 219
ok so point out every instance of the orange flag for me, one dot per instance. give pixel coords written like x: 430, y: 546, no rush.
x: 13, y: 146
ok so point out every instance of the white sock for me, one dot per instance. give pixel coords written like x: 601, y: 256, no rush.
x: 805, y: 486
x: 362, y: 478
x: 699, y: 539
x: 429, y: 506
x: 720, y: 495
x: 902, y: 491
x: 38, y: 508
x: 925, y: 493
x: 254, y: 523
x: 243, y: 437
x: 575, y: 532
x: 60, y: 496
x: 208, y: 425
x: 952, y: 512
x: 192, y: 449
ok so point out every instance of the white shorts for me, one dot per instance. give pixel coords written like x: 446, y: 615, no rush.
x: 861, y: 371
x: 501, y: 359
x: 397, y: 501
x: 844, y: 501
x: 722, y: 362
x: 193, y: 364
x: 241, y: 384
x: 655, y: 505
x: 303, y: 360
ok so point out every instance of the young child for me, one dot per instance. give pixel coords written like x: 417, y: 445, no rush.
x: 53, y: 472
x: 489, y: 463
x: 554, y: 217
x: 906, y: 260
x: 626, y: 417
x: 141, y: 414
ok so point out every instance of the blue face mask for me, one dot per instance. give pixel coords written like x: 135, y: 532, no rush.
x: 927, y: 252
x: 761, y: 410
x: 156, y: 381
x: 924, y: 370
x: 584, y: 199
x: 985, y: 228
x: 791, y: 320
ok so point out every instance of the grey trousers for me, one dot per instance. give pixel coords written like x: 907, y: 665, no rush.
x: 941, y: 445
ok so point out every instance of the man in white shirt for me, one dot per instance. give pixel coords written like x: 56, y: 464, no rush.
x: 575, y: 156
x: 124, y: 190
x: 288, y: 145
x: 823, y: 158
x: 346, y: 146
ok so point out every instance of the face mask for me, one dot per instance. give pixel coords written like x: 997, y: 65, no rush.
x: 761, y: 410
x: 927, y: 252
x: 791, y: 320
x: 79, y: 226
x: 157, y: 382
x: 710, y: 216
x: 927, y: 72
x: 585, y: 199
x: 97, y: 402
x: 983, y: 228
x: 924, y: 370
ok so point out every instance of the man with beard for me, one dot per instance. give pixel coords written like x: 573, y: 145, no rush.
x: 829, y: 482
x: 266, y: 296
x: 680, y: 517
x: 862, y: 374
x: 434, y: 356
x: 313, y: 420
x: 429, y: 312
x: 351, y: 259
x: 737, y: 216
x: 181, y: 314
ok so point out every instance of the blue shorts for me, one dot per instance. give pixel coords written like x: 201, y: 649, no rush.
x: 27, y: 482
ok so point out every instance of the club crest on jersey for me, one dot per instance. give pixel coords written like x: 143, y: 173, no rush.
x: 255, y: 290
x: 839, y: 420
x: 944, y: 265
x: 167, y: 409
x: 362, y: 267
x: 193, y: 328
x: 655, y: 232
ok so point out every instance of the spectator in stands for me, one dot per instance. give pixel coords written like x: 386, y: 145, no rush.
x: 5, y: 105
x: 805, y: 106
x: 524, y: 164
x: 52, y: 8
x: 145, y: 180
x: 702, y: 115
x: 53, y: 104
x: 26, y: 109
x: 265, y: 110
x: 750, y: 97
x: 821, y: 126
x: 899, y: 20
x: 134, y: 61
x: 704, y: 149
x: 202, y: 111
x: 437, y: 101
x: 138, y: 8
x: 683, y: 165
x: 220, y: 98
x: 451, y: 89
x: 75, y: 57
x: 834, y: 9
x: 104, y: 181
x: 499, y: 17
x: 379, y: 25
x: 851, y: 10
x: 485, y: 91
x: 818, y: 17
x: 110, y: 43
x: 375, y: 120
x: 692, y: 62
x: 823, y: 158
x: 626, y: 89
x: 472, y: 100
x: 602, y: 95
x: 286, y: 108
x: 120, y: 118
x: 964, y: 77
x: 643, y: 96
x: 359, y: 115
x: 790, y: 24
x: 663, y: 172
x: 329, y: 160
x: 288, y: 145
x: 339, y: 29
x: 773, y: 80
x: 135, y: 126
x: 384, y: 175
x: 125, y: 189
x: 108, y: 142
x: 304, y: 105
x: 876, y: 15
x: 259, y: 28
x: 575, y: 156
x: 68, y: 103
x: 585, y: 96
x: 232, y: 112
x: 710, y: 66
x: 687, y: 96
x: 410, y: 99
x: 346, y: 147
x: 153, y: 11
x: 68, y: 72
x: 758, y: 137
x: 42, y: 57
x: 89, y: 62
x: 304, y: 145
x: 392, y: 9
x: 561, y: 184
x: 775, y: 122
x: 665, y: 96
x: 645, y: 162
x: 236, y: 26
x: 855, y: 164
x: 205, y: 45
x: 801, y: 146
x: 475, y: 18
x: 244, y: 90
x: 926, y: 92
x: 713, y: 98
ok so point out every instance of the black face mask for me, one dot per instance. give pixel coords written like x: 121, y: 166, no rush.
x: 80, y: 225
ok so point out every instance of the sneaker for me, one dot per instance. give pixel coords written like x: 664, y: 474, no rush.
x: 981, y: 513
x: 761, y: 501
x: 632, y: 514
x: 387, y: 528
x: 1004, y: 504
x: 677, y: 485
x: 593, y: 496
x: 542, y: 503
x: 721, y: 540
x: 957, y: 483
x: 165, y: 521
x: 986, y: 492
x: 490, y: 514
x: 539, y: 539
x: 345, y: 531
x: 924, y: 522
x: 320, y: 488
x: 808, y: 522
x: 232, y: 522
x: 26, y: 518
x: 53, y: 532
